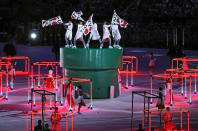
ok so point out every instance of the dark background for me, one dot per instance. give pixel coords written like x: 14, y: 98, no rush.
x: 149, y: 20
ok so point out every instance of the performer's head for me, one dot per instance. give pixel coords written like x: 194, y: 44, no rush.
x: 151, y: 53
x: 79, y: 87
x: 105, y: 22
x: 39, y: 122
x: 160, y: 88
x: 50, y: 67
x: 56, y: 109
x: 168, y: 108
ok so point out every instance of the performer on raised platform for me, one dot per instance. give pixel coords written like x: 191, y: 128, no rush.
x: 79, y: 35
x: 49, y: 81
x: 106, y: 35
x: 116, y: 35
x: 68, y: 34
x: 94, y: 35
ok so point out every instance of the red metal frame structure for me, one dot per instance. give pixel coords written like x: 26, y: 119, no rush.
x: 42, y: 112
x: 36, y: 77
x: 160, y: 111
x: 39, y: 64
x: 147, y: 96
x: 27, y: 63
x: 129, y: 62
x: 172, y: 76
x: 76, y: 80
x: 190, y: 72
x: 182, y: 59
x: 130, y: 70
x: 49, y: 113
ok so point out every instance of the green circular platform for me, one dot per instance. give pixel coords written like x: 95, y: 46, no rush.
x: 99, y: 65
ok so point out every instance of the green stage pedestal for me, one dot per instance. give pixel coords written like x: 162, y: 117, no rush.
x: 99, y: 65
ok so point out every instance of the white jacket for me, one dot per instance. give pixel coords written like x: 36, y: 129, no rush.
x: 94, y: 32
x: 79, y: 32
x: 106, y: 33
x: 68, y: 33
x: 115, y: 32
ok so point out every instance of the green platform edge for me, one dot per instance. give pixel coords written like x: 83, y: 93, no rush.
x: 99, y: 65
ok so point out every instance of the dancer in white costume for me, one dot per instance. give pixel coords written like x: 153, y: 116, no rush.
x: 116, y: 35
x: 79, y: 34
x: 94, y: 35
x: 106, y: 34
x: 68, y: 33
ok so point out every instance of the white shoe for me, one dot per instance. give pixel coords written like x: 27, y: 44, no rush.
x: 74, y: 46
x: 67, y: 46
x: 119, y: 47
x: 110, y: 46
x: 87, y: 45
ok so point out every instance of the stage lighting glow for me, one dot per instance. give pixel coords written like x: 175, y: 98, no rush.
x: 33, y: 35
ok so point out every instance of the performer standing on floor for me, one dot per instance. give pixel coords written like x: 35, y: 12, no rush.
x: 168, y: 91
x: 116, y: 35
x: 106, y: 35
x: 69, y: 102
x: 80, y: 99
x: 168, y: 123
x: 94, y: 35
x: 152, y: 60
x: 11, y: 71
x: 55, y: 120
x: 79, y: 35
x: 160, y: 101
x: 68, y: 34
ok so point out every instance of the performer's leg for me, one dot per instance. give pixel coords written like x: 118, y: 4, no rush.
x: 118, y: 43
x: 101, y: 44
x: 81, y: 38
x: 70, y: 41
x: 110, y: 42
x: 114, y: 44
x: 67, y: 43
x: 90, y: 36
x: 74, y: 43
x: 79, y: 106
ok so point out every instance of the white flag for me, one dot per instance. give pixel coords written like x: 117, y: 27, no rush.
x: 54, y: 21
x: 117, y: 20
x: 88, y: 25
x: 77, y: 15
